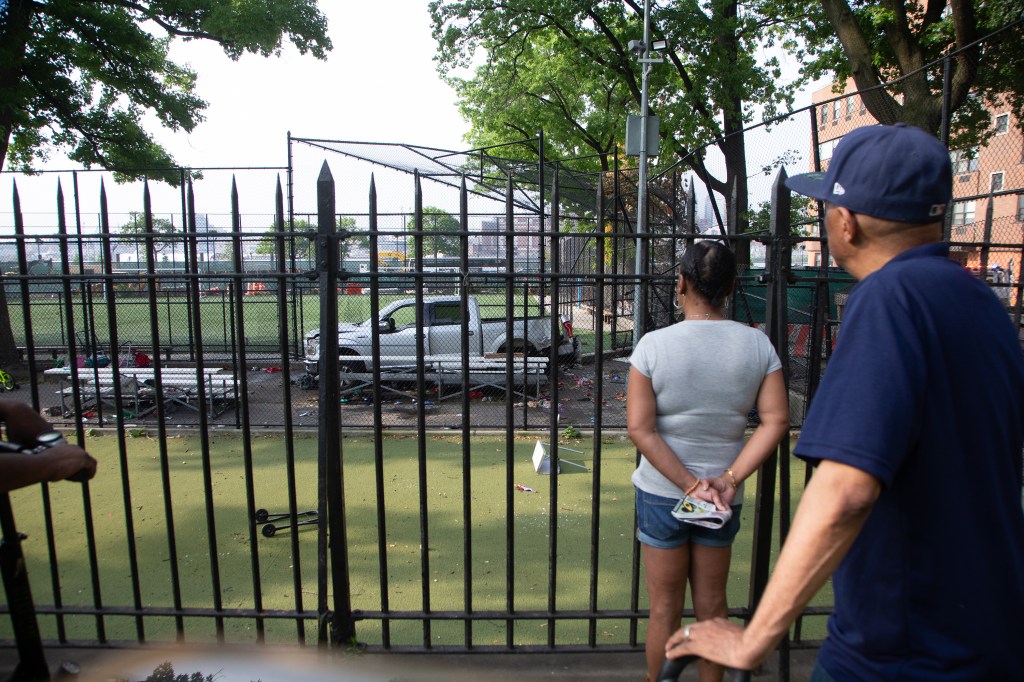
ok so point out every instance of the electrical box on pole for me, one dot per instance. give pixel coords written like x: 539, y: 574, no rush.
x: 634, y: 123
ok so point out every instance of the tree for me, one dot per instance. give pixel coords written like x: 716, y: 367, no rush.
x: 879, y: 42
x: 548, y: 86
x: 134, y: 230
x: 437, y: 238
x: 356, y: 240
x: 132, y: 235
x: 565, y: 66
x: 305, y: 248
x: 80, y: 75
x: 301, y: 247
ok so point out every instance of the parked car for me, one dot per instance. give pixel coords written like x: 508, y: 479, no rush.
x: 442, y: 324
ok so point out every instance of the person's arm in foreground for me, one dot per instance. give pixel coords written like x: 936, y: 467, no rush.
x: 22, y: 425
x: 773, y: 410
x: 641, y: 424
x: 831, y: 513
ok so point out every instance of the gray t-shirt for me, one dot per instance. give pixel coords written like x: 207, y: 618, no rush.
x: 706, y: 375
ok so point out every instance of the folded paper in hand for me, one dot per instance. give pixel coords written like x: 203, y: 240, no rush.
x: 700, y: 513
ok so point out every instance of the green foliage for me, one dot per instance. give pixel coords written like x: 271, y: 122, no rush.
x: 548, y: 86
x: 355, y: 240
x: 165, y: 673
x: 874, y: 44
x: 571, y: 432
x: 565, y: 67
x: 133, y: 232
x: 301, y: 247
x: 82, y: 76
x: 134, y: 229
x: 437, y: 226
x: 304, y: 248
x: 760, y: 218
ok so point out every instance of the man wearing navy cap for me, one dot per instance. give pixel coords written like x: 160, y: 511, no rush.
x: 917, y: 429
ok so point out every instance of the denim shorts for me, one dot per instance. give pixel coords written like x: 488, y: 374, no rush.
x: 658, y: 528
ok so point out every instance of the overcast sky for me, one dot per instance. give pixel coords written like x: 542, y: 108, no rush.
x: 378, y: 84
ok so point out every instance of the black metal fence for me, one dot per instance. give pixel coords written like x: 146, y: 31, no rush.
x: 400, y: 504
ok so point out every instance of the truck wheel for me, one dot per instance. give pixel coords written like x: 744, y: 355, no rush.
x: 519, y: 348
x: 349, y: 367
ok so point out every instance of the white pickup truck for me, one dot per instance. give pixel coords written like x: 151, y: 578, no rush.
x: 442, y: 324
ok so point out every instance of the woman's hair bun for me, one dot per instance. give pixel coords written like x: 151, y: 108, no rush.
x: 710, y: 267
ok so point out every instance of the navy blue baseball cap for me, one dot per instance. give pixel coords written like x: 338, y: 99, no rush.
x: 895, y: 172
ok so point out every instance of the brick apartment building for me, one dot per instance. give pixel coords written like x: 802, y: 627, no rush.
x: 988, y: 187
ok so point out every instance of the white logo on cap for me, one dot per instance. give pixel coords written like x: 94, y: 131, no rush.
x: 838, y: 189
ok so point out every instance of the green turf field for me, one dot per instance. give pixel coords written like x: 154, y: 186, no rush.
x: 447, y: 527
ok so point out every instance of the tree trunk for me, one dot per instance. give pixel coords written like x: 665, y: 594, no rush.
x: 14, y: 35
x: 861, y: 60
x: 8, y: 347
x: 734, y: 146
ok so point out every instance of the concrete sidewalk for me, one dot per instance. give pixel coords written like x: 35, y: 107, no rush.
x: 288, y: 664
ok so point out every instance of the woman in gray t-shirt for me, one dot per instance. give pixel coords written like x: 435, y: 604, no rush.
x: 691, y: 387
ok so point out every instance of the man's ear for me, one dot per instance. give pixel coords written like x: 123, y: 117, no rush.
x: 681, y: 285
x: 849, y: 228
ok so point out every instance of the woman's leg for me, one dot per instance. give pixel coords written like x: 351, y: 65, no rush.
x: 709, y: 572
x: 666, y: 571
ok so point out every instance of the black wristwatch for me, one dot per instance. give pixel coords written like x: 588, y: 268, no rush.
x: 45, y: 441
x: 49, y: 439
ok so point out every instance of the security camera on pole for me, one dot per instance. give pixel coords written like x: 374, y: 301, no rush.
x: 642, y: 140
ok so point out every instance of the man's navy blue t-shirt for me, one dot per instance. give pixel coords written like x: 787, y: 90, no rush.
x: 925, y: 391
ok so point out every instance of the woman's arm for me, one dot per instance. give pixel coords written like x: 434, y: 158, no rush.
x: 641, y: 424
x: 773, y: 409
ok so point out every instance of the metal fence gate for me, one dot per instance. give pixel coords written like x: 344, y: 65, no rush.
x: 205, y: 526
x: 241, y: 499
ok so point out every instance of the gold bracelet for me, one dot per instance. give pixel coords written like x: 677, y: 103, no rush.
x: 732, y: 478
x: 693, y: 487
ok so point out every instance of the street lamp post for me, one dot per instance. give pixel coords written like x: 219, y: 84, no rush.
x: 646, y: 62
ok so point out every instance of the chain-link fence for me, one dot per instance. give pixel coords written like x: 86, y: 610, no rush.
x: 510, y: 306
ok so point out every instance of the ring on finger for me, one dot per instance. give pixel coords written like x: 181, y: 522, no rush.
x: 686, y: 633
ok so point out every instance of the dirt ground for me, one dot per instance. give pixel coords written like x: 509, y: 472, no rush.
x: 268, y: 406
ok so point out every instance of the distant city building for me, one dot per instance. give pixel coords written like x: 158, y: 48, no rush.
x: 491, y: 242
x: 706, y: 221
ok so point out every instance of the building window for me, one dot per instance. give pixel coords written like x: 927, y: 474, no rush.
x: 964, y: 160
x: 1020, y: 208
x: 824, y: 114
x: 850, y: 106
x: 825, y: 150
x: 836, y: 109
x: 1002, y: 123
x: 997, y: 182
x: 863, y: 107
x: 963, y: 213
